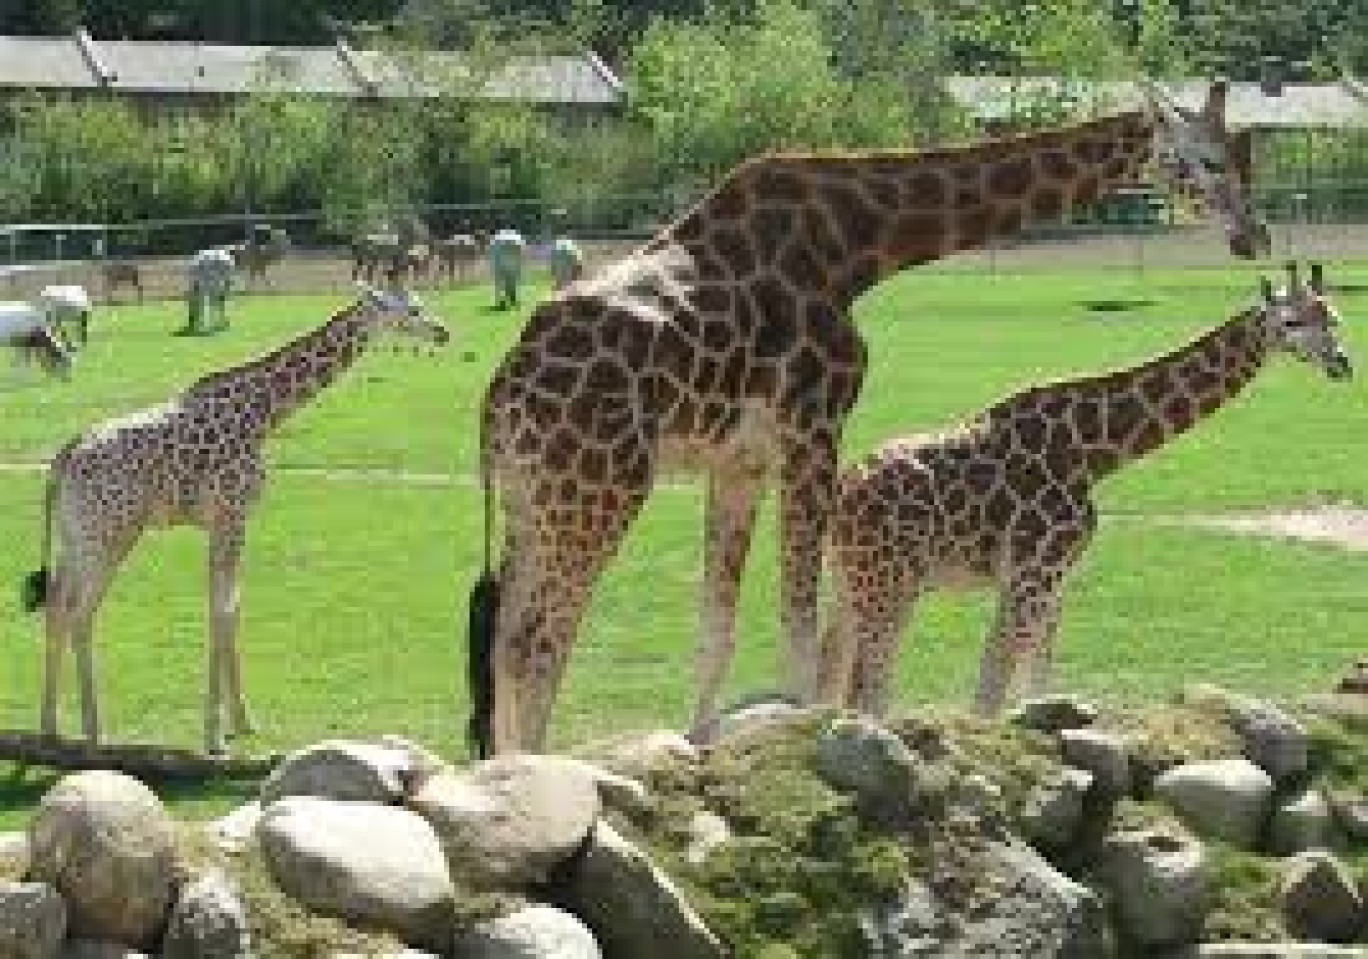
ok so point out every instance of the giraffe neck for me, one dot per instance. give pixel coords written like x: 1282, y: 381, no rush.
x: 288, y: 378
x: 834, y: 225
x: 1101, y: 423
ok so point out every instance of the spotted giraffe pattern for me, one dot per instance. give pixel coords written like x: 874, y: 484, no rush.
x: 725, y: 346
x: 196, y: 460
x: 1006, y: 500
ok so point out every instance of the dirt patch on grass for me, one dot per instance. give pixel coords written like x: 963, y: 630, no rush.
x: 1343, y: 526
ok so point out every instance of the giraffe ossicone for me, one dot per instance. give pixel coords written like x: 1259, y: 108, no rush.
x: 1004, y: 501
x: 196, y: 460
x: 725, y: 346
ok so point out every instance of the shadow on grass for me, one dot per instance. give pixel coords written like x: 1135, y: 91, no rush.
x: 1115, y: 306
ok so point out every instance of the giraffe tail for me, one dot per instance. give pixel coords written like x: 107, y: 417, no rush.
x: 483, y: 617
x: 37, y: 584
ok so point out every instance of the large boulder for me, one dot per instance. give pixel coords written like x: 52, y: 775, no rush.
x: 381, y: 771
x: 510, y: 822
x: 1226, y: 799
x: 1319, y: 899
x: 1034, y: 910
x: 1302, y: 821
x: 1053, y: 811
x: 1104, y: 754
x: 33, y: 920
x: 207, y: 922
x: 1273, y: 740
x: 860, y: 757
x: 533, y: 932
x: 632, y: 907
x: 1160, y: 886
x: 106, y: 843
x: 235, y: 831
x: 376, y: 865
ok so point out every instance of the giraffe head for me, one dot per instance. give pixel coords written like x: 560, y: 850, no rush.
x: 397, y: 310
x: 1301, y: 321
x: 1195, y: 150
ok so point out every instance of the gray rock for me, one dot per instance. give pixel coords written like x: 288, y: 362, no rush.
x: 1034, y: 911
x: 1053, y: 811
x: 533, y: 932
x: 1159, y: 884
x: 233, y: 832
x: 1105, y: 755
x: 33, y: 920
x: 915, y: 924
x: 510, y: 822
x: 1273, y: 740
x: 707, y: 831
x: 1226, y: 799
x: 1319, y: 899
x: 1051, y: 714
x: 619, y: 793
x: 757, y: 716
x: 106, y: 843
x: 1303, y: 821
x: 1351, y: 815
x: 858, y: 756
x: 374, y: 864
x: 207, y: 922
x: 97, y: 949
x: 633, y: 908
x: 14, y: 855
x: 383, y: 771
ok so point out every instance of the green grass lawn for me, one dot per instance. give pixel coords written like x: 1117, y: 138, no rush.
x: 355, y: 588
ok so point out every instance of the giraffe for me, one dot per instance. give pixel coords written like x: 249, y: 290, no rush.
x: 1005, y: 500
x: 724, y: 345
x: 196, y: 460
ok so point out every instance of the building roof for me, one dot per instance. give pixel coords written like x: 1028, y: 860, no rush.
x: 44, y: 63
x: 1296, y: 105
x: 156, y: 67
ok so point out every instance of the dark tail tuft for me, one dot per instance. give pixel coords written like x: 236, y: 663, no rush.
x: 484, y: 611
x: 35, y: 590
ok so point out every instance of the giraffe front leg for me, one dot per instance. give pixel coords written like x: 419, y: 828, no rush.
x: 224, y: 666
x: 730, y: 521
x: 57, y: 634
x: 806, y: 502
x: 1028, y: 612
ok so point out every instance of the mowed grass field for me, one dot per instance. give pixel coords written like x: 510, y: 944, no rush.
x: 362, y: 551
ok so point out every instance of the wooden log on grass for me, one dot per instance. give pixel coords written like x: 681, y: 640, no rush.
x: 145, y: 761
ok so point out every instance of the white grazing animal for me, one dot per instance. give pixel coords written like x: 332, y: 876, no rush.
x: 67, y: 304
x: 24, y: 329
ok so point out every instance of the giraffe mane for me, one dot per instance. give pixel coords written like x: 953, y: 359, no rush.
x: 1115, y: 376
x: 233, y: 373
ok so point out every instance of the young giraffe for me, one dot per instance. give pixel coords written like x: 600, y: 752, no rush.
x: 725, y: 345
x: 196, y: 460
x: 1005, y: 500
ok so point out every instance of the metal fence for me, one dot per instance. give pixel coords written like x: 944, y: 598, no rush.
x: 1132, y: 230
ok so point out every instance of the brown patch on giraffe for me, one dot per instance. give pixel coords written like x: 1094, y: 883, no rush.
x: 781, y: 185
x: 1011, y: 179
x: 925, y: 190
x: 1047, y: 203
x: 858, y: 222
x: 734, y: 250
x: 916, y: 236
x: 1058, y: 165
x: 729, y: 202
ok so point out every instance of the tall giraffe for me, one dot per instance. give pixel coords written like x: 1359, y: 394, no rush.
x: 724, y: 345
x: 196, y: 460
x: 1005, y: 501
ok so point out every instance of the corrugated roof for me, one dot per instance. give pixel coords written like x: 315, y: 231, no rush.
x: 1330, y: 105
x: 140, y: 66
x: 152, y: 67
x: 44, y: 63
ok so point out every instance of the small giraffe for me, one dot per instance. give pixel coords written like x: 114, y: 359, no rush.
x: 196, y: 460
x: 1005, y: 501
x: 725, y: 345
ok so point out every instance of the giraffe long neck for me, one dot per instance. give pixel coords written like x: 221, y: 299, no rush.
x: 281, y: 382
x: 1098, y: 424
x: 834, y: 225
